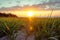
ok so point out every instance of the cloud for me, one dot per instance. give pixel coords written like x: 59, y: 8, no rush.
x: 43, y: 6
x: 54, y: 0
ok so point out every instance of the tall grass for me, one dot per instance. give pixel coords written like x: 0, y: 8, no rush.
x: 47, y: 28
x: 43, y: 27
x: 9, y: 25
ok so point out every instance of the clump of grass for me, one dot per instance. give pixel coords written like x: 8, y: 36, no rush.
x: 8, y: 26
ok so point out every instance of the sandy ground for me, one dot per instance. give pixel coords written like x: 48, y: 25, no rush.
x: 20, y: 36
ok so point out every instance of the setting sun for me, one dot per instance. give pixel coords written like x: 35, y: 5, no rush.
x: 30, y: 14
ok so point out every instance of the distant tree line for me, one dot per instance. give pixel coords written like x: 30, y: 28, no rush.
x: 7, y: 15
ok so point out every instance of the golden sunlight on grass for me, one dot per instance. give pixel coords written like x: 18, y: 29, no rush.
x: 31, y: 28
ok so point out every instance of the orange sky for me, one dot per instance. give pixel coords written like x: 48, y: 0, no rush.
x: 36, y: 12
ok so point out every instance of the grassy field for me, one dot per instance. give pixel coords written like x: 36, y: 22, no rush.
x: 41, y: 28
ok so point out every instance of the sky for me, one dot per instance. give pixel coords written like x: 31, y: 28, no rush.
x: 11, y: 5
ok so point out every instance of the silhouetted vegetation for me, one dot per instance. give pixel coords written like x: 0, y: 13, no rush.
x: 7, y: 15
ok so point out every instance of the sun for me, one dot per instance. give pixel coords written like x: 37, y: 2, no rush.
x: 30, y: 14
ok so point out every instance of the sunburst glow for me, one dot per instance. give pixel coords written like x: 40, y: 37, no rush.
x: 30, y: 14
